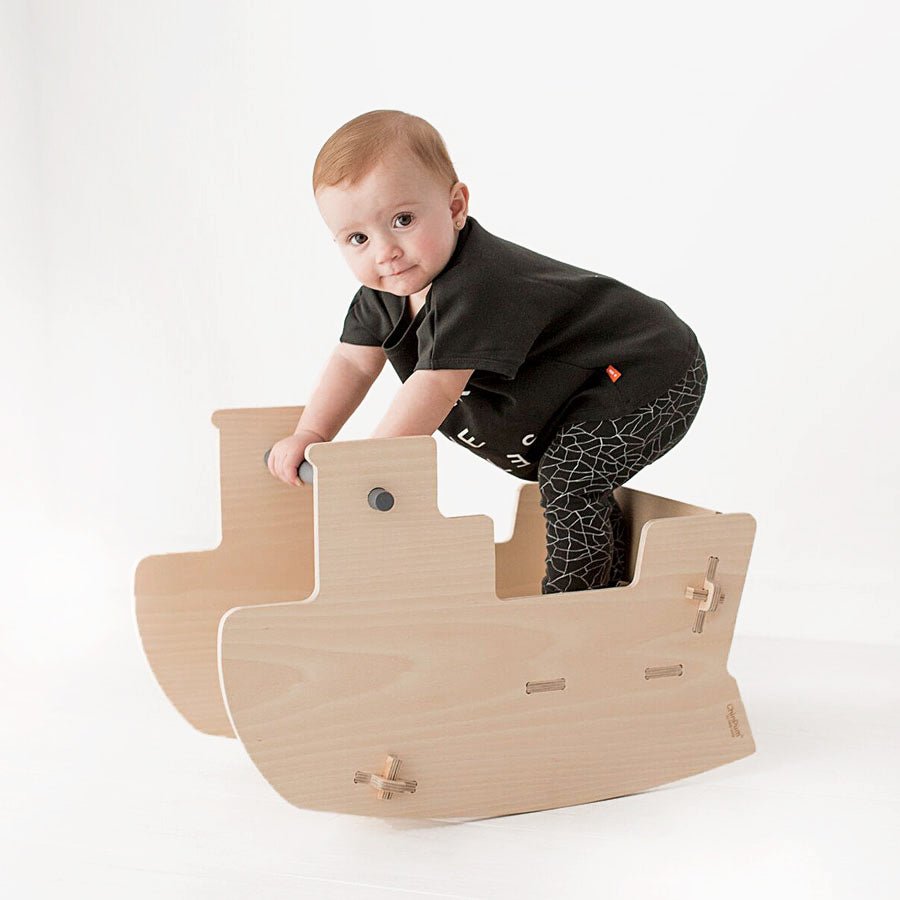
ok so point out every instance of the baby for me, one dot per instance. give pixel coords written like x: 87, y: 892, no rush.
x: 554, y: 373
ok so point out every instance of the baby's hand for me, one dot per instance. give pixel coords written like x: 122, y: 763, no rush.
x: 286, y: 455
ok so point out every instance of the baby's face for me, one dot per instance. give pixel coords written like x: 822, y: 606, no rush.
x: 397, y: 227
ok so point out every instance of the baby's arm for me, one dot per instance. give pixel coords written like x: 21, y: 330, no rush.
x: 423, y: 402
x: 344, y: 382
x: 419, y: 407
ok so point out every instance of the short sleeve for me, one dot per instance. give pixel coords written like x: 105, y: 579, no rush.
x: 477, y: 329
x: 365, y: 320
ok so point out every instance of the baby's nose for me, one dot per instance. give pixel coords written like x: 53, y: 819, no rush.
x: 387, y: 252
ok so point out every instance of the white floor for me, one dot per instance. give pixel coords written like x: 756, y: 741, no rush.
x: 108, y: 792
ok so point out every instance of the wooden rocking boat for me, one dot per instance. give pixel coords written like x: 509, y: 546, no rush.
x: 394, y: 662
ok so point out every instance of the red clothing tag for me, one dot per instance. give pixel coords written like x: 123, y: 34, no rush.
x: 614, y: 373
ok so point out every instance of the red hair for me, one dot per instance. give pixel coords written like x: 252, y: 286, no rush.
x: 358, y: 145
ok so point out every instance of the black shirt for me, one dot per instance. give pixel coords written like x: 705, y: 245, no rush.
x: 546, y: 340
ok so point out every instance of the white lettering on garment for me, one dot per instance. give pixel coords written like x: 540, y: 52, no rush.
x: 469, y: 441
x: 528, y: 440
x: 518, y: 459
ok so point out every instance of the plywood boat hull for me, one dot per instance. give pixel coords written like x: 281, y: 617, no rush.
x: 420, y: 673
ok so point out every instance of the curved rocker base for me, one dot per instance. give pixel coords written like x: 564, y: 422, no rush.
x: 400, y: 664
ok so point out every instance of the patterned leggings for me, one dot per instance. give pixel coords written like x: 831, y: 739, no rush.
x: 587, y: 536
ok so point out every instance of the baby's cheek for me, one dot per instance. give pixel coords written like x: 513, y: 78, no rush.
x: 439, y: 250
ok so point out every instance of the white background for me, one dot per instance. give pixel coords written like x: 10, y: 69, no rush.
x: 161, y: 257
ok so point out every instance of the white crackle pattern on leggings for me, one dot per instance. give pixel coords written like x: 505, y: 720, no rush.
x: 586, y: 530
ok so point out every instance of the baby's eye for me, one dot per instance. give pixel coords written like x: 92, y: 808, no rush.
x: 396, y: 218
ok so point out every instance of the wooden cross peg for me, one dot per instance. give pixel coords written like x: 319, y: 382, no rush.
x: 386, y: 784
x: 710, y: 595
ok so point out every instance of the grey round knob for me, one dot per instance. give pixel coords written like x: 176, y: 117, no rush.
x: 381, y: 499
